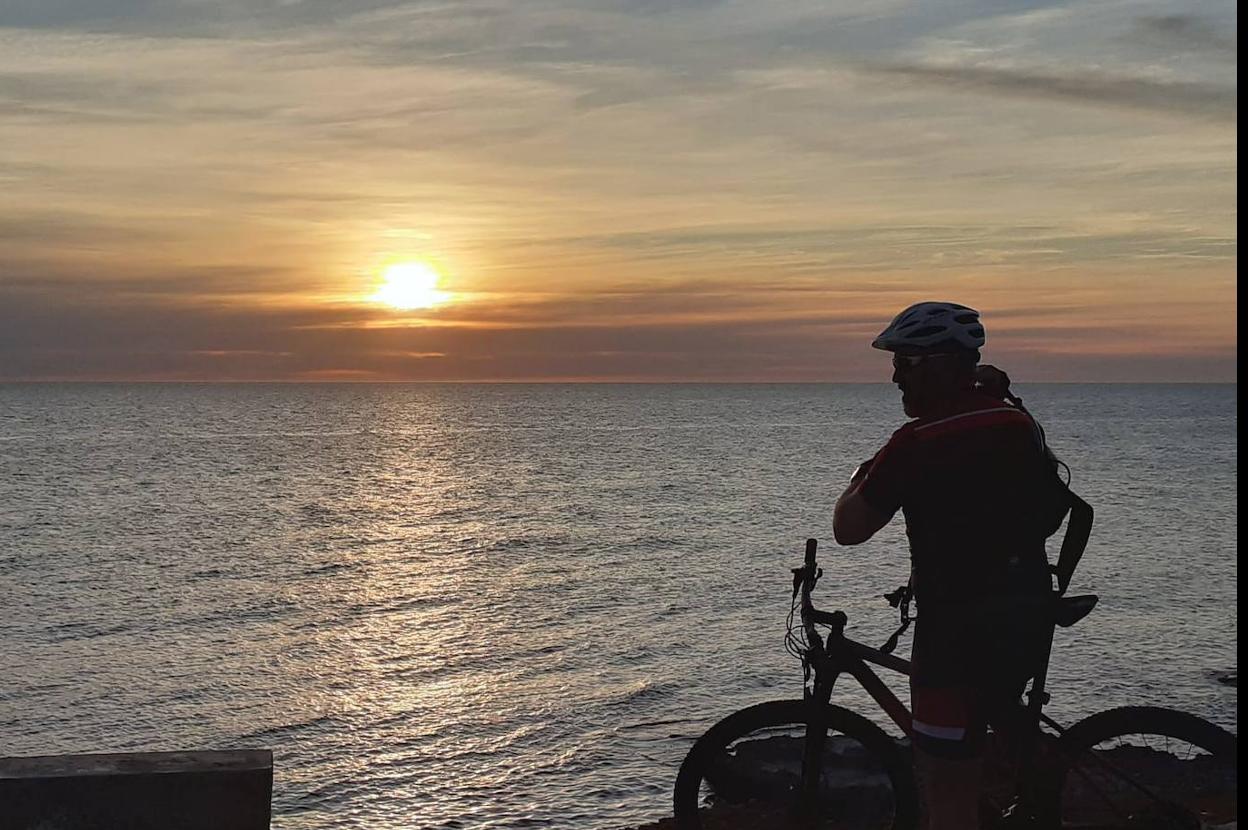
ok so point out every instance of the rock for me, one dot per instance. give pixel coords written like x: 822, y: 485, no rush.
x: 753, y: 783
x: 1228, y: 679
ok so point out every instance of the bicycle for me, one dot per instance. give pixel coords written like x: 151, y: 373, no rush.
x: 812, y: 764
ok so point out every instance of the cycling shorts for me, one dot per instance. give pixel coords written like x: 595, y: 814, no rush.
x: 964, y: 673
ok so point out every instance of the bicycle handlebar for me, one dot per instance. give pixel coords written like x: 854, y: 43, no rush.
x: 804, y: 579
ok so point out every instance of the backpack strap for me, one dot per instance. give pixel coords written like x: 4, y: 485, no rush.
x: 1078, y: 529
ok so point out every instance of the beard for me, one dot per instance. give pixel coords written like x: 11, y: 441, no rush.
x: 913, y: 403
x: 908, y: 405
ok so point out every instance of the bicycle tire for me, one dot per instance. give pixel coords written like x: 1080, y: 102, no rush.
x: 885, y: 756
x: 1195, y: 789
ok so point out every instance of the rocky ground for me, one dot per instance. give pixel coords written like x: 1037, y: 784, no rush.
x: 767, y: 767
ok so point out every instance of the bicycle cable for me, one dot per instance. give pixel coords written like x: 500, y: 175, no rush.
x: 795, y: 637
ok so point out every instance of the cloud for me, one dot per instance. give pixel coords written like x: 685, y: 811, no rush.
x: 69, y: 229
x: 618, y: 187
x: 1087, y: 87
x: 1189, y: 32
x: 695, y: 330
x: 185, y: 19
x: 901, y: 246
x: 47, y: 338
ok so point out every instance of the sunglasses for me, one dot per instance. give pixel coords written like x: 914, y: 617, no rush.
x: 906, y: 362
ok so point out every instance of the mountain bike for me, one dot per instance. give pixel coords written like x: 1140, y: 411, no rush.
x: 812, y: 764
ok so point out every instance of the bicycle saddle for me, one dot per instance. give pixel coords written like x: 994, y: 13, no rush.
x: 1069, y: 610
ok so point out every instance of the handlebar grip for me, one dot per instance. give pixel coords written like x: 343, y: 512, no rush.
x: 811, y: 544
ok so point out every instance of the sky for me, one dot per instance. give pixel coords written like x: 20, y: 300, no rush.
x: 630, y: 190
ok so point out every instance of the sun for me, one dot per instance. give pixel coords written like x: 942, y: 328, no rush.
x: 410, y: 285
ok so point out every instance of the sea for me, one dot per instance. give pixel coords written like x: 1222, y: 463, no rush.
x: 516, y: 606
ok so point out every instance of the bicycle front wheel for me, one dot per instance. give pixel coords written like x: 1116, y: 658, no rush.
x: 746, y: 771
x: 1146, y: 768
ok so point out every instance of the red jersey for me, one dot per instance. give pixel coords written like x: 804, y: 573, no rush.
x: 976, y: 490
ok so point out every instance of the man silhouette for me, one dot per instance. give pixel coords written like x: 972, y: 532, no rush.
x: 972, y: 476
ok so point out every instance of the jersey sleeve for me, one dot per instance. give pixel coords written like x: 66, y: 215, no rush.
x: 884, y: 486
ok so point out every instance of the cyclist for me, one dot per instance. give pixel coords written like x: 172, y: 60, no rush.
x: 976, y: 485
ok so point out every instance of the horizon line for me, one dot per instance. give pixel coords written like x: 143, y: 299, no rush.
x: 570, y: 382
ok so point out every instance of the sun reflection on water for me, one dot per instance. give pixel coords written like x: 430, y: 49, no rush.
x: 482, y: 605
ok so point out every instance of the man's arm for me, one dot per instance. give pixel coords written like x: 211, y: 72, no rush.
x: 854, y: 520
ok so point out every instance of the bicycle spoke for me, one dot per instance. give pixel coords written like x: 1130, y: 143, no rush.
x: 1101, y: 793
x: 1142, y: 778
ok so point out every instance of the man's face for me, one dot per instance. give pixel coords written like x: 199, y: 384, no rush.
x: 921, y: 383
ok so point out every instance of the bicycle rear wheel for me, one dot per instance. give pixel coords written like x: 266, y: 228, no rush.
x: 746, y: 771
x: 1146, y: 768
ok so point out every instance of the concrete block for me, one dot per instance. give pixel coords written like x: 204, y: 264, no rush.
x: 229, y: 790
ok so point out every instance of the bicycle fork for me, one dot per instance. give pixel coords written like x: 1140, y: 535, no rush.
x: 812, y: 748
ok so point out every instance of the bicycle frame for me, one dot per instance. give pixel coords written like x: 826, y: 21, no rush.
x: 1027, y: 787
x: 839, y: 655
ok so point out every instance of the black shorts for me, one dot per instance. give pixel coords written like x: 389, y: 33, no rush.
x: 967, y: 668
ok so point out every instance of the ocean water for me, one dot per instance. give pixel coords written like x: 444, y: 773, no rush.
x: 506, y: 606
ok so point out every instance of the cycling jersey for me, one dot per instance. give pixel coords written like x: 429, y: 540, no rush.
x: 979, y: 499
x: 976, y: 492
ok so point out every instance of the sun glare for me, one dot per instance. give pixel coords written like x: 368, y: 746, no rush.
x: 410, y: 285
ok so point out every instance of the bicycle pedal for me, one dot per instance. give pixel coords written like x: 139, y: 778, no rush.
x: 1015, y: 818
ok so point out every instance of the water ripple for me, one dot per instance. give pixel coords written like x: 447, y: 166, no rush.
x: 516, y: 606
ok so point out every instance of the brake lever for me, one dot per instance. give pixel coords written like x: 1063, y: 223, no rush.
x: 896, y: 598
x: 799, y: 575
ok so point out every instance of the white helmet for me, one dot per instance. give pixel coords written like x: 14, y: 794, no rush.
x: 933, y: 327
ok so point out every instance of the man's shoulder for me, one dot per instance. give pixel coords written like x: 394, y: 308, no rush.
x: 903, y: 434
x: 974, y: 411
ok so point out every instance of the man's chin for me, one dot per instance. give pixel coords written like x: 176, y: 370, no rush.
x: 909, y: 405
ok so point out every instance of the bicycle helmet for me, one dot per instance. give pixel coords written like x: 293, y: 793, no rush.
x: 933, y: 327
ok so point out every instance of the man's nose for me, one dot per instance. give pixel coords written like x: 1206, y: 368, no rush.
x: 896, y: 376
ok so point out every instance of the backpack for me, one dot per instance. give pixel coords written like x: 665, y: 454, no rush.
x: 1059, y: 501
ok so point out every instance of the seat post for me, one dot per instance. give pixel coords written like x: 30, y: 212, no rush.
x: 1037, y: 696
x: 1029, y: 736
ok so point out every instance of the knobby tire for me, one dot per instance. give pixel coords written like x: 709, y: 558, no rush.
x: 1104, y: 781
x: 891, y: 759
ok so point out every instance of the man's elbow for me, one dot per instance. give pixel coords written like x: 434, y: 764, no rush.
x: 847, y: 532
x: 853, y: 520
